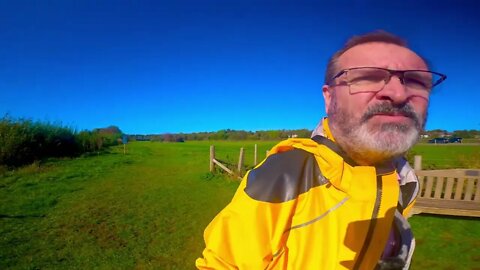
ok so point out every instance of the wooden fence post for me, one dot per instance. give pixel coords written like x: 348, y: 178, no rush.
x: 417, y: 163
x: 240, y: 161
x: 212, y: 157
x: 255, y: 156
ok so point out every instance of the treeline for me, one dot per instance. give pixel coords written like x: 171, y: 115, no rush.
x: 238, y: 135
x: 465, y: 134
x: 23, y: 141
x: 226, y: 134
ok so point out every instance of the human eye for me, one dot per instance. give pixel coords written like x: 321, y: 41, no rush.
x: 418, y: 80
x: 366, y: 76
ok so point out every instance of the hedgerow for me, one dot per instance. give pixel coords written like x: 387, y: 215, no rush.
x: 23, y: 141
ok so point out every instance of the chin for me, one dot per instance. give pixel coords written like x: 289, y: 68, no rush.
x: 390, y: 140
x: 369, y: 145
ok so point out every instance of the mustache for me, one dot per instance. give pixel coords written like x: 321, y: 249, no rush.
x: 387, y: 108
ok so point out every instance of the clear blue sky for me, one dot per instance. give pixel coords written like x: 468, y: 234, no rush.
x: 189, y: 66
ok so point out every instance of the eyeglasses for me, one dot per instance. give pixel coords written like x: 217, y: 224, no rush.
x: 373, y: 79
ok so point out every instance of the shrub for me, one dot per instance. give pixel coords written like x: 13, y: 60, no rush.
x: 15, y: 142
x: 23, y: 141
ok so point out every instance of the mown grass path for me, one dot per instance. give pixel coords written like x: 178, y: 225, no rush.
x: 141, y: 210
x: 148, y: 210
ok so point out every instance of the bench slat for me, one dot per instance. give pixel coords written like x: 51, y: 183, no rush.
x: 469, y: 189
x: 449, y: 188
x: 477, y: 194
x: 428, y: 187
x: 421, y: 183
x: 459, y: 189
x: 474, y: 173
x: 438, y: 188
x: 452, y: 204
x: 450, y: 212
x: 447, y: 207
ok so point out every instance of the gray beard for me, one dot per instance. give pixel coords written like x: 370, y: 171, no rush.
x: 380, y: 143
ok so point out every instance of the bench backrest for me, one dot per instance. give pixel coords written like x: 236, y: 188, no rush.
x: 456, y: 184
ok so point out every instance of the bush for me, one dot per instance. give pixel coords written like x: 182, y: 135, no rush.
x: 24, y: 141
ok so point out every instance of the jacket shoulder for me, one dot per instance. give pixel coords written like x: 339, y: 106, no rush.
x: 284, y: 176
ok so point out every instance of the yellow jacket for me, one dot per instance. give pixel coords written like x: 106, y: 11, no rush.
x: 306, y: 206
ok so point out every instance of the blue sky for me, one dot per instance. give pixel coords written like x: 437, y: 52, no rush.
x: 189, y: 66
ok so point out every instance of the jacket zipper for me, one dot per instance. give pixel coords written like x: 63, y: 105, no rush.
x: 373, y: 223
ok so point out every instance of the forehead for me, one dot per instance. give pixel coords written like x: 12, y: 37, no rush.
x: 379, y: 54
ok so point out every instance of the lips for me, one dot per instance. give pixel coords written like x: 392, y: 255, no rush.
x: 395, y: 114
x: 389, y: 117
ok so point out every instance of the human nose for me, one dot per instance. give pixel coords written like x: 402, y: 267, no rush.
x: 394, y: 90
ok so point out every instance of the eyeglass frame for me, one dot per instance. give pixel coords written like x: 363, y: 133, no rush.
x: 399, y: 73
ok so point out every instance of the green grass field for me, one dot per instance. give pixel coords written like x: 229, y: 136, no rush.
x: 148, y: 209
x: 448, y: 156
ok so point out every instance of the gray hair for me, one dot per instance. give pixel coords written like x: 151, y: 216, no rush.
x: 376, y: 36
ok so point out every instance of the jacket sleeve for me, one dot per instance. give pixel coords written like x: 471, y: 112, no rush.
x: 246, y: 233
x: 236, y: 237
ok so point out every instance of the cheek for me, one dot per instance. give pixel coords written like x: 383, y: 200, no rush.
x: 420, y: 104
x: 361, y: 102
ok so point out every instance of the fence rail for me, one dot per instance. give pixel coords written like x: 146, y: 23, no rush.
x: 240, y: 165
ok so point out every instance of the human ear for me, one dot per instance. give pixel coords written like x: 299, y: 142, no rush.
x: 327, y: 96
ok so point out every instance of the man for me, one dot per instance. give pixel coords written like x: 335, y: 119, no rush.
x: 338, y: 200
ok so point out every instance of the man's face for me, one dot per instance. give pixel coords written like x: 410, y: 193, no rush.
x: 373, y: 127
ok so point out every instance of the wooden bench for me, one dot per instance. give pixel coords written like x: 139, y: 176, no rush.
x: 449, y: 192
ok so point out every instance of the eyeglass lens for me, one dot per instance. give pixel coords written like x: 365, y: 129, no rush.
x: 374, y: 79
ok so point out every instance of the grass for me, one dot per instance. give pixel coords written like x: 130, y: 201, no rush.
x: 447, y: 156
x: 148, y: 210
x: 446, y: 242
x: 145, y: 209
